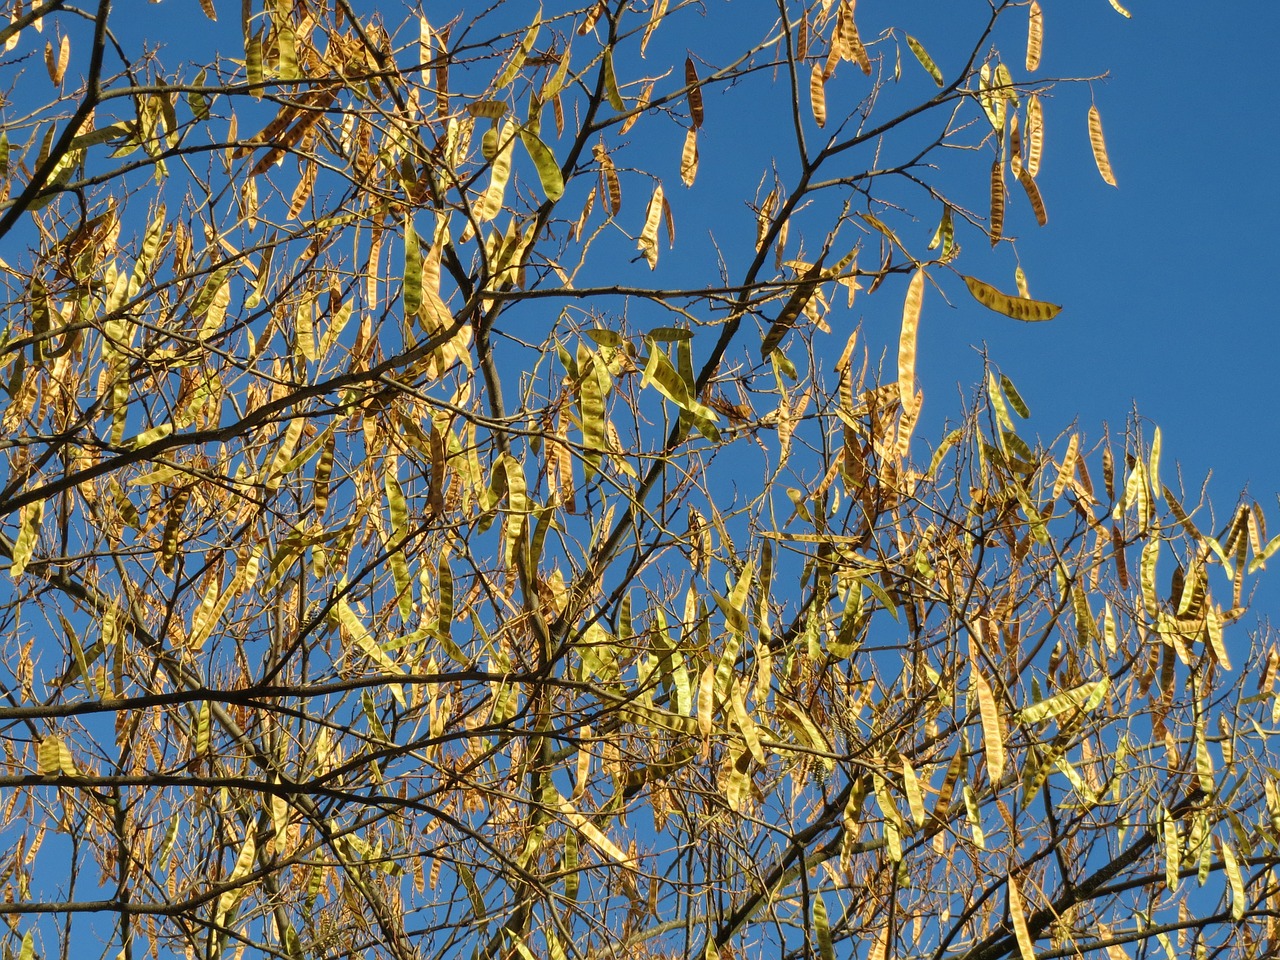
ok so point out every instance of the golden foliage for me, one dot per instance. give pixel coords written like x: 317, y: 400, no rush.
x: 374, y: 494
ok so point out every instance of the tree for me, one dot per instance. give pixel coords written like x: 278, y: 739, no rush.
x: 411, y: 557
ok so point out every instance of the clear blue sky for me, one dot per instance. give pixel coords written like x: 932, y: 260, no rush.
x: 1168, y: 281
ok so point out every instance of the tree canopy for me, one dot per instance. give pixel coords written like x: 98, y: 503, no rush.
x: 416, y: 551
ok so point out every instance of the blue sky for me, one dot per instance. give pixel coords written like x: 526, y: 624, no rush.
x: 1167, y: 281
x: 1162, y: 279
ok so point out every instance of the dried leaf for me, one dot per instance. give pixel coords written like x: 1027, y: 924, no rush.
x: 1035, y: 135
x: 491, y: 202
x: 992, y: 728
x: 656, y: 13
x: 1235, y: 878
x: 302, y: 192
x: 854, y: 42
x: 57, y: 64
x: 1099, y: 146
x: 1035, y: 35
x: 689, y: 158
x: 822, y: 928
x: 907, y: 339
x: 412, y: 278
x: 520, y: 53
x: 1015, y: 145
x: 647, y: 244
x: 1015, y: 399
x: 1059, y: 703
x: 1033, y: 194
x: 610, y: 187
x: 49, y: 756
x: 1018, y: 916
x: 1016, y: 307
x: 30, y: 517
x: 611, y: 82
x: 997, y: 201
x: 695, y: 92
x: 911, y: 787
x: 926, y: 61
x: 594, y: 835
x: 791, y: 309
x: 545, y: 163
